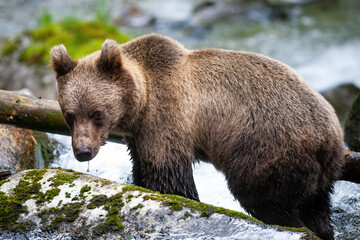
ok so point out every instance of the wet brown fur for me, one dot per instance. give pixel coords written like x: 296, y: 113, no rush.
x: 278, y: 142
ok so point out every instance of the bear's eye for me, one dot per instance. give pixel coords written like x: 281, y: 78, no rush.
x: 69, y: 118
x: 97, y: 117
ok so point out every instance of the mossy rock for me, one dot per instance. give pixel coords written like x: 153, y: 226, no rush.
x: 79, y: 37
x: 352, y: 126
x: 37, y: 202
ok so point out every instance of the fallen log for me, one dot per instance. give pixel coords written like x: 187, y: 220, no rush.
x: 4, y: 174
x: 45, y: 115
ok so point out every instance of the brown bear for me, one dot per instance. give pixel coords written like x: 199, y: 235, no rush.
x: 278, y: 142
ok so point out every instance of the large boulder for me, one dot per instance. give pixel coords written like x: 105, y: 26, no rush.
x: 22, y: 149
x: 63, y: 204
x: 352, y: 127
x: 342, y: 98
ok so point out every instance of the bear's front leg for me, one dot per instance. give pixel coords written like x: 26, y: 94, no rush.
x: 163, y: 164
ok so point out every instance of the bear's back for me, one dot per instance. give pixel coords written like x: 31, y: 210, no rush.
x: 260, y: 98
x: 155, y: 52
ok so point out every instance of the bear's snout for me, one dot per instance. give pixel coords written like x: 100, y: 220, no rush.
x: 83, y: 153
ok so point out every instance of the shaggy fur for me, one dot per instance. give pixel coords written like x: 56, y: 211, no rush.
x: 278, y: 142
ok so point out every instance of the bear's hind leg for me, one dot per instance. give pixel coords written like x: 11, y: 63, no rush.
x: 315, y: 213
x: 274, y: 214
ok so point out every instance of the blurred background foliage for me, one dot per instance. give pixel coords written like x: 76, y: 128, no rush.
x: 79, y: 37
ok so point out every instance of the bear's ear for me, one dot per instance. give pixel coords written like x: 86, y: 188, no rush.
x: 60, y: 61
x: 110, y: 57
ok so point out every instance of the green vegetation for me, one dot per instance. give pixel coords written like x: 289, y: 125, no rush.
x: 104, y: 182
x: 30, y: 185
x: 3, y: 181
x: 11, y: 206
x: 62, y: 178
x: 97, y: 201
x: 140, y: 205
x: 83, y: 190
x: 79, y: 37
x: 10, y: 209
x: 68, y: 213
x: 48, y: 196
x: 113, y: 205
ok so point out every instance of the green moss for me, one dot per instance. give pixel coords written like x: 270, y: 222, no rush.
x: 29, y: 187
x: 116, y: 201
x: 154, y: 197
x: 10, y: 46
x: 187, y: 214
x: 175, y: 205
x: 135, y: 188
x: 25, y: 190
x: 3, y: 181
x: 113, y: 221
x: 10, y: 209
x: 140, y: 205
x: 35, y: 175
x: 48, y: 196
x: 97, y: 201
x: 129, y: 197
x: 103, y: 182
x: 83, y: 190
x: 79, y: 37
x: 68, y: 170
x: 294, y: 229
x: 206, y: 209
x: 62, y: 178
x: 67, y: 195
x: 68, y: 213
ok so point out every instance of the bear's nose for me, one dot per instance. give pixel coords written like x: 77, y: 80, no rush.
x: 83, y: 153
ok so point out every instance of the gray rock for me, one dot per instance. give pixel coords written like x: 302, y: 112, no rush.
x: 22, y: 149
x: 342, y: 98
x: 63, y: 204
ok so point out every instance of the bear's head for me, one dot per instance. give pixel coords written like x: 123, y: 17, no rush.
x: 96, y: 94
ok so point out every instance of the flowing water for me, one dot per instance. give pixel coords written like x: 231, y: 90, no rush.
x: 322, y: 44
